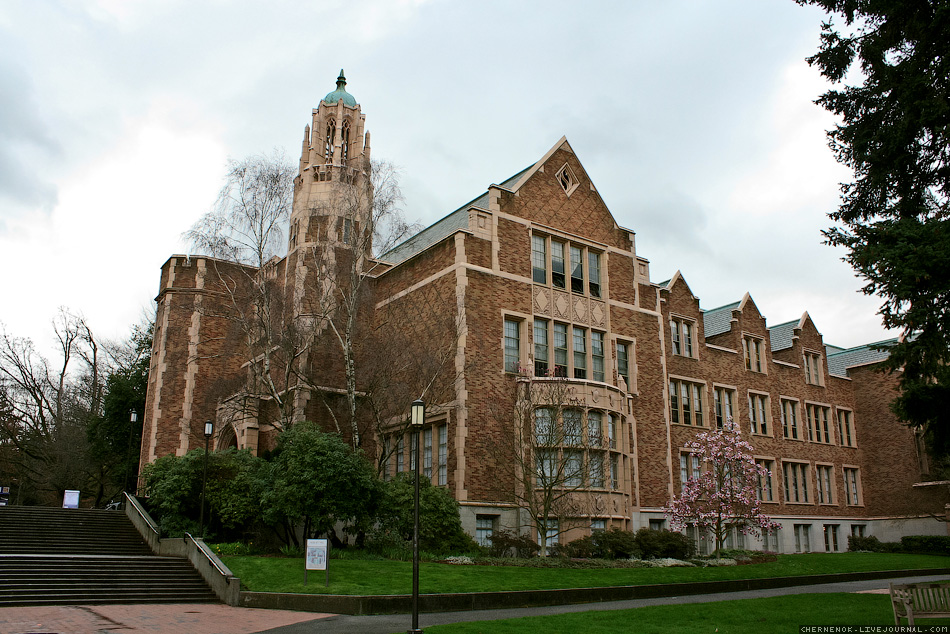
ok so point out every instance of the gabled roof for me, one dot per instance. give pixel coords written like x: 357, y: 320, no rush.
x: 780, y: 336
x: 458, y: 219
x: 678, y: 279
x: 718, y: 320
x: 839, y: 362
x: 441, y: 229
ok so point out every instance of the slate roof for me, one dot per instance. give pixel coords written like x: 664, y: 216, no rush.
x: 839, y: 362
x: 438, y: 231
x: 780, y: 336
x: 718, y: 320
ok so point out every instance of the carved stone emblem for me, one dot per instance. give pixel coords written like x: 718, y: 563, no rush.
x: 597, y: 314
x: 580, y: 310
x: 542, y: 302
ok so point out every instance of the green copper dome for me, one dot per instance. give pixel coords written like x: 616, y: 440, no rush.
x: 340, y: 93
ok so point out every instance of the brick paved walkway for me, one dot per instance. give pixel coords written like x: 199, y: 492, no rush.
x: 194, y: 618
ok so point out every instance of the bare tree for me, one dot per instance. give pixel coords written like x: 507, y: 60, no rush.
x: 47, y: 406
x: 549, y: 464
x: 289, y: 329
x: 246, y: 223
x: 244, y: 232
x: 341, y: 299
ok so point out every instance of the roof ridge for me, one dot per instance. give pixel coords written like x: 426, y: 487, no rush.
x: 468, y: 205
x: 711, y: 310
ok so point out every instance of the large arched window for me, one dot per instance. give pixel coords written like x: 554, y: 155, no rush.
x: 228, y: 439
x: 328, y: 146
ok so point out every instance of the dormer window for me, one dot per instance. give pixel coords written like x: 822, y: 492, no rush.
x: 681, y: 335
x: 752, y: 350
x: 567, y: 180
x: 813, y: 370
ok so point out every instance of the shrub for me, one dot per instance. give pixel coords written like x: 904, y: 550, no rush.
x: 505, y: 542
x: 664, y: 544
x: 616, y: 544
x: 291, y: 551
x: 233, y: 548
x: 582, y: 548
x: 874, y: 545
x: 440, y: 527
x: 925, y: 544
x: 869, y: 543
x: 762, y: 557
x: 611, y: 544
x: 739, y: 554
x: 388, y: 544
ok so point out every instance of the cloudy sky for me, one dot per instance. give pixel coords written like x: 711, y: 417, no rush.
x: 694, y: 119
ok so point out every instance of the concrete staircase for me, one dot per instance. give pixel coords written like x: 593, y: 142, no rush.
x: 52, y: 556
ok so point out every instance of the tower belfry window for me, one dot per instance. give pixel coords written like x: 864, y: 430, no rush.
x: 328, y: 146
x: 345, y: 131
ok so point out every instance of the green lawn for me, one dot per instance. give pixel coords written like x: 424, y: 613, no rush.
x: 351, y: 576
x: 776, y: 615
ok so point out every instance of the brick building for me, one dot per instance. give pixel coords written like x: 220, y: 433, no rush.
x: 549, y: 301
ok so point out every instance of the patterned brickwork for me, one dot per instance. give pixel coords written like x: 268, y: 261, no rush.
x: 450, y: 298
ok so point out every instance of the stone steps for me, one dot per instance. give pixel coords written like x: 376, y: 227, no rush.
x: 82, y: 557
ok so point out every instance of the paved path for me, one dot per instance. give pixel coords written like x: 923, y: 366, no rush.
x: 177, y: 618
x: 221, y: 619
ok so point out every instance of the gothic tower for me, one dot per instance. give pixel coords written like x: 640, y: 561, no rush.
x: 330, y: 228
x: 335, y: 152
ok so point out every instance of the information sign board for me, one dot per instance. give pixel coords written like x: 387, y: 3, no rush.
x: 71, y: 500
x: 316, y: 554
x: 318, y: 558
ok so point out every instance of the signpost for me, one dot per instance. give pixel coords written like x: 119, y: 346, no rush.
x: 318, y: 558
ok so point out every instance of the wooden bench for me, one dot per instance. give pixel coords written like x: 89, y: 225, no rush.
x: 922, y: 600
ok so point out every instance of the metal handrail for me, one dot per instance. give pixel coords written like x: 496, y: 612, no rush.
x: 208, y: 555
x: 138, y: 509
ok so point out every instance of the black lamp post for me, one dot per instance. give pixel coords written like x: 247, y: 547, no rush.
x: 209, y: 431
x: 133, y: 418
x: 417, y: 419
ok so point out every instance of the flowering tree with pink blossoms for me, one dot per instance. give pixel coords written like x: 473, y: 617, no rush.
x: 723, y: 495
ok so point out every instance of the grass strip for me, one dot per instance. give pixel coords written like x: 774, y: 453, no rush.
x: 774, y: 615
x: 383, y: 577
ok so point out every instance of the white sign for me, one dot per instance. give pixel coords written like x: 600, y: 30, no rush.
x: 71, y: 500
x: 317, y: 554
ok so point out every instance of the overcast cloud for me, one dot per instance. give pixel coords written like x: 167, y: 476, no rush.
x: 694, y: 119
